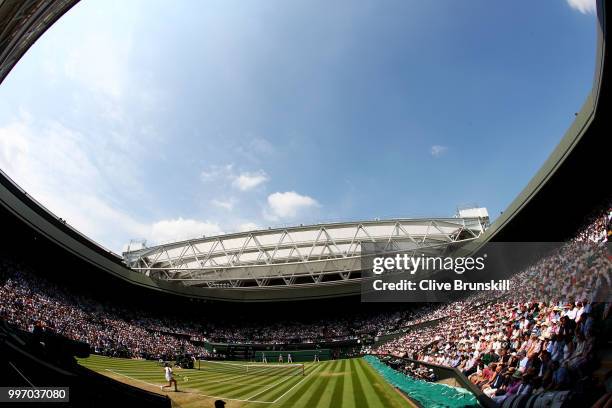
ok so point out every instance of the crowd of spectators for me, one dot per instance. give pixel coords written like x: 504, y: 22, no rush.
x: 29, y: 300
x: 543, y: 336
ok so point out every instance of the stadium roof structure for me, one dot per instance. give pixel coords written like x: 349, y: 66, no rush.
x: 304, y: 255
x: 22, y: 23
x: 577, y: 169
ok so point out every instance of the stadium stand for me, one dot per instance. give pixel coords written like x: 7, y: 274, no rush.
x: 43, y: 358
x: 519, y: 344
x: 504, y: 346
x: 515, y: 350
x: 119, y: 331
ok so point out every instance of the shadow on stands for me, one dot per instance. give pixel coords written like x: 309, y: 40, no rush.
x: 45, y: 359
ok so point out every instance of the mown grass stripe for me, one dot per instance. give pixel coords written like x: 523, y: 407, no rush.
x: 213, y: 378
x: 259, y: 396
x: 221, y: 375
x: 332, y: 378
x: 197, y: 392
x: 378, y: 386
x: 360, y: 397
x: 372, y: 396
x: 195, y: 379
x: 260, y: 389
x: 230, y: 388
x: 200, y: 381
x: 342, y: 383
x: 348, y: 396
x: 193, y: 375
x: 312, y: 397
x: 337, y: 393
x: 275, y: 392
x: 247, y: 384
x: 303, y: 389
x: 317, y: 394
x: 206, y: 383
x: 242, y: 380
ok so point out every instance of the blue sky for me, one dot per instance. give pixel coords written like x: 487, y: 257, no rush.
x: 135, y: 120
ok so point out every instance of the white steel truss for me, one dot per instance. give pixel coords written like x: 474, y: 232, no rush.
x: 296, y: 255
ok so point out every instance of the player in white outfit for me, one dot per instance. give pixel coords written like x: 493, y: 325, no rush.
x: 169, y: 378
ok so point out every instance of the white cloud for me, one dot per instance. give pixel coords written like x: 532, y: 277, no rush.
x: 438, y: 150
x: 51, y: 162
x: 583, y: 6
x: 56, y: 166
x: 180, y: 229
x: 225, y: 173
x: 248, y: 181
x: 289, y: 204
x: 98, y: 67
x: 225, y: 204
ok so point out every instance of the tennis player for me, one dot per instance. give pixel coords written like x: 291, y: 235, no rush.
x: 169, y: 377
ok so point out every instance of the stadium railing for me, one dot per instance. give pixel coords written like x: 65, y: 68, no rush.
x: 425, y: 393
x: 456, y: 378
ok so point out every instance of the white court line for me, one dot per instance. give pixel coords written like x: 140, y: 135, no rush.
x: 270, y: 387
x: 298, y: 383
x: 204, y: 373
x: 224, y: 381
x: 196, y: 393
x: 154, y: 385
x: 230, y: 378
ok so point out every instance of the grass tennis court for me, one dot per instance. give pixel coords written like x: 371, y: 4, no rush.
x: 341, y: 383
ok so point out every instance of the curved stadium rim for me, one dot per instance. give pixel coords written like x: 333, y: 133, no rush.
x: 582, y: 143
